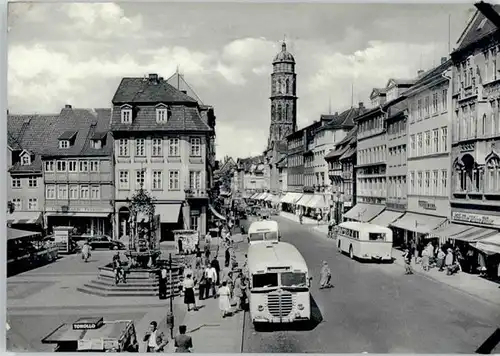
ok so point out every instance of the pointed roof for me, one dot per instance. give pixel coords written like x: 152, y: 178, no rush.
x: 479, y: 26
x: 177, y: 81
x: 344, y: 120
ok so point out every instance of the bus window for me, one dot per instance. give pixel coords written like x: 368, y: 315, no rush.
x: 265, y: 280
x: 261, y: 236
x: 373, y: 236
x: 293, y: 279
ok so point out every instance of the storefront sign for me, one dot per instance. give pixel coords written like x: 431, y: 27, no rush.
x: 476, y: 218
x: 79, y: 209
x: 426, y: 205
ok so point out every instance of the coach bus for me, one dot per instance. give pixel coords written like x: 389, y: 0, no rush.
x: 263, y: 231
x: 279, y: 284
x: 365, y: 241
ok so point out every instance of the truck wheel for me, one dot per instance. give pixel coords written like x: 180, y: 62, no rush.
x: 351, y: 253
x: 257, y: 326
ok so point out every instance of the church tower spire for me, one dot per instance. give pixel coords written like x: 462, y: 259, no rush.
x: 283, y: 97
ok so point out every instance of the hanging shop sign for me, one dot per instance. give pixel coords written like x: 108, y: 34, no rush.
x: 476, y: 218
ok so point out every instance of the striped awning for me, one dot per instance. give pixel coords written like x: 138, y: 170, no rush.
x: 24, y: 217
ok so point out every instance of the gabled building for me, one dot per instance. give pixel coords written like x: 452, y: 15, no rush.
x: 27, y: 137
x: 164, y: 144
x: 78, y: 172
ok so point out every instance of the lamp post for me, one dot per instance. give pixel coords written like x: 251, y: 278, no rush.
x: 170, y: 314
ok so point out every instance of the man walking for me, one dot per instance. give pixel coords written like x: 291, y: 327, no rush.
x: 155, y: 339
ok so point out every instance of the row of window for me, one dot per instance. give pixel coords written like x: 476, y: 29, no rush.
x: 72, y: 166
x: 468, y: 125
x: 490, y: 64
x: 17, y: 182
x: 157, y: 178
x: 371, y: 126
x: 397, y: 155
x: 295, y: 160
x: 372, y: 155
x: 480, y: 179
x: 432, y: 104
x: 163, y: 113
x: 18, y: 204
x: 428, y: 183
x: 466, y: 74
x: 396, y: 187
x: 296, y: 142
x: 376, y: 187
x: 295, y: 179
x: 157, y: 147
x: 397, y: 128
x: 73, y: 192
x: 429, y: 142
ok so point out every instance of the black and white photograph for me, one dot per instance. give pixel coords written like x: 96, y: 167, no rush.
x: 252, y: 177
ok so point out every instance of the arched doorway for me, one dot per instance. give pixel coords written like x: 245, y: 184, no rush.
x: 123, y: 218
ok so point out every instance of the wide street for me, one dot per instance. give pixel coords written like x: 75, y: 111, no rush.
x: 376, y: 309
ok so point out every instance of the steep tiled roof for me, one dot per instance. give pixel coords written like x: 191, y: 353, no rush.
x: 145, y: 90
x: 85, y: 122
x: 403, y: 82
x: 31, y: 133
x: 474, y: 32
x: 182, y: 118
x: 397, y: 108
x: 342, y: 120
x: 350, y: 135
x: 177, y: 81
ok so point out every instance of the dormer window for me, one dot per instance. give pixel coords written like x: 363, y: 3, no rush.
x: 162, y: 113
x: 96, y: 144
x: 126, y: 114
x: 25, y: 158
x: 67, y: 139
x: 98, y: 140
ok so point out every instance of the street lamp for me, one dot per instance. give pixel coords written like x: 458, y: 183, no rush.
x: 170, y: 314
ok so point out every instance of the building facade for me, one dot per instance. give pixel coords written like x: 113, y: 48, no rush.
x: 295, y: 161
x: 475, y: 152
x: 78, y: 172
x: 163, y: 144
x: 26, y: 137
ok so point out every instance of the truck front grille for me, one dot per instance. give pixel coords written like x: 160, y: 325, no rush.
x: 280, y: 305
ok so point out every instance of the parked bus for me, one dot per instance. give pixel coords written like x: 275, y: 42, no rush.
x: 263, y: 230
x: 279, y: 284
x: 365, y: 241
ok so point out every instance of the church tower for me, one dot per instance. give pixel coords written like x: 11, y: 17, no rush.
x: 283, y: 97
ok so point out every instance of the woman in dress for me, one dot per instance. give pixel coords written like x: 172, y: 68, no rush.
x: 188, y: 286
x: 224, y: 303
x: 325, y: 276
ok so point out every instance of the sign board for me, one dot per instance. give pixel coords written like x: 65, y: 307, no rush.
x: 426, y: 205
x: 61, y: 237
x: 88, y: 323
x: 92, y: 344
x: 481, y: 219
x: 195, y: 213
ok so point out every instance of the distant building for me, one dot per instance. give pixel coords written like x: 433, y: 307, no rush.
x: 163, y: 144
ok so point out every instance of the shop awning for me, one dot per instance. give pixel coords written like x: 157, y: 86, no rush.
x: 263, y: 196
x: 490, y: 245
x: 304, y: 199
x: 254, y: 195
x: 13, y: 234
x: 387, y: 217
x: 169, y: 213
x: 422, y: 224
x: 269, y: 197
x: 275, y: 199
x: 24, y: 217
x: 448, y: 231
x: 257, y: 197
x: 291, y: 198
x: 216, y: 213
x: 317, y: 202
x: 474, y: 234
x: 364, y: 212
x: 79, y: 214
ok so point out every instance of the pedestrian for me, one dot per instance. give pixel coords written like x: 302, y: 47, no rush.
x: 407, y: 256
x: 224, y: 302
x: 227, y: 256
x: 183, y: 343
x: 425, y: 259
x: 85, y: 251
x: 331, y: 224
x: 215, y: 264
x: 179, y: 245
x: 211, y: 275
x: 449, y: 260
x: 440, y: 259
x: 238, y: 291
x: 197, y: 252
x: 156, y: 340
x: 318, y: 217
x: 162, y: 292
x: 188, y: 287
x: 325, y: 276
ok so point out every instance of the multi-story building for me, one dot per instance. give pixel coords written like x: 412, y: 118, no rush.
x: 163, y: 144
x: 254, y: 178
x: 372, y: 151
x: 295, y: 169
x: 428, y: 152
x: 341, y: 161
x: 27, y: 136
x: 78, y: 172
x: 475, y: 153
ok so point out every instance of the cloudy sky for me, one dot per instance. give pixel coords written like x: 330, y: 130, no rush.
x: 77, y: 54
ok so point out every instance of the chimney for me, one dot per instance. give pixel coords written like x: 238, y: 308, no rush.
x: 153, y: 77
x: 420, y: 73
x: 67, y: 106
x: 443, y: 59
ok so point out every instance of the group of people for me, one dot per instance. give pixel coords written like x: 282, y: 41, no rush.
x: 443, y: 257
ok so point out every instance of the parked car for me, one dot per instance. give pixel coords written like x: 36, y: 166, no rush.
x: 104, y: 242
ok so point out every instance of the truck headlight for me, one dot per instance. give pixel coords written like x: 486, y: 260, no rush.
x: 260, y: 308
x: 301, y: 307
